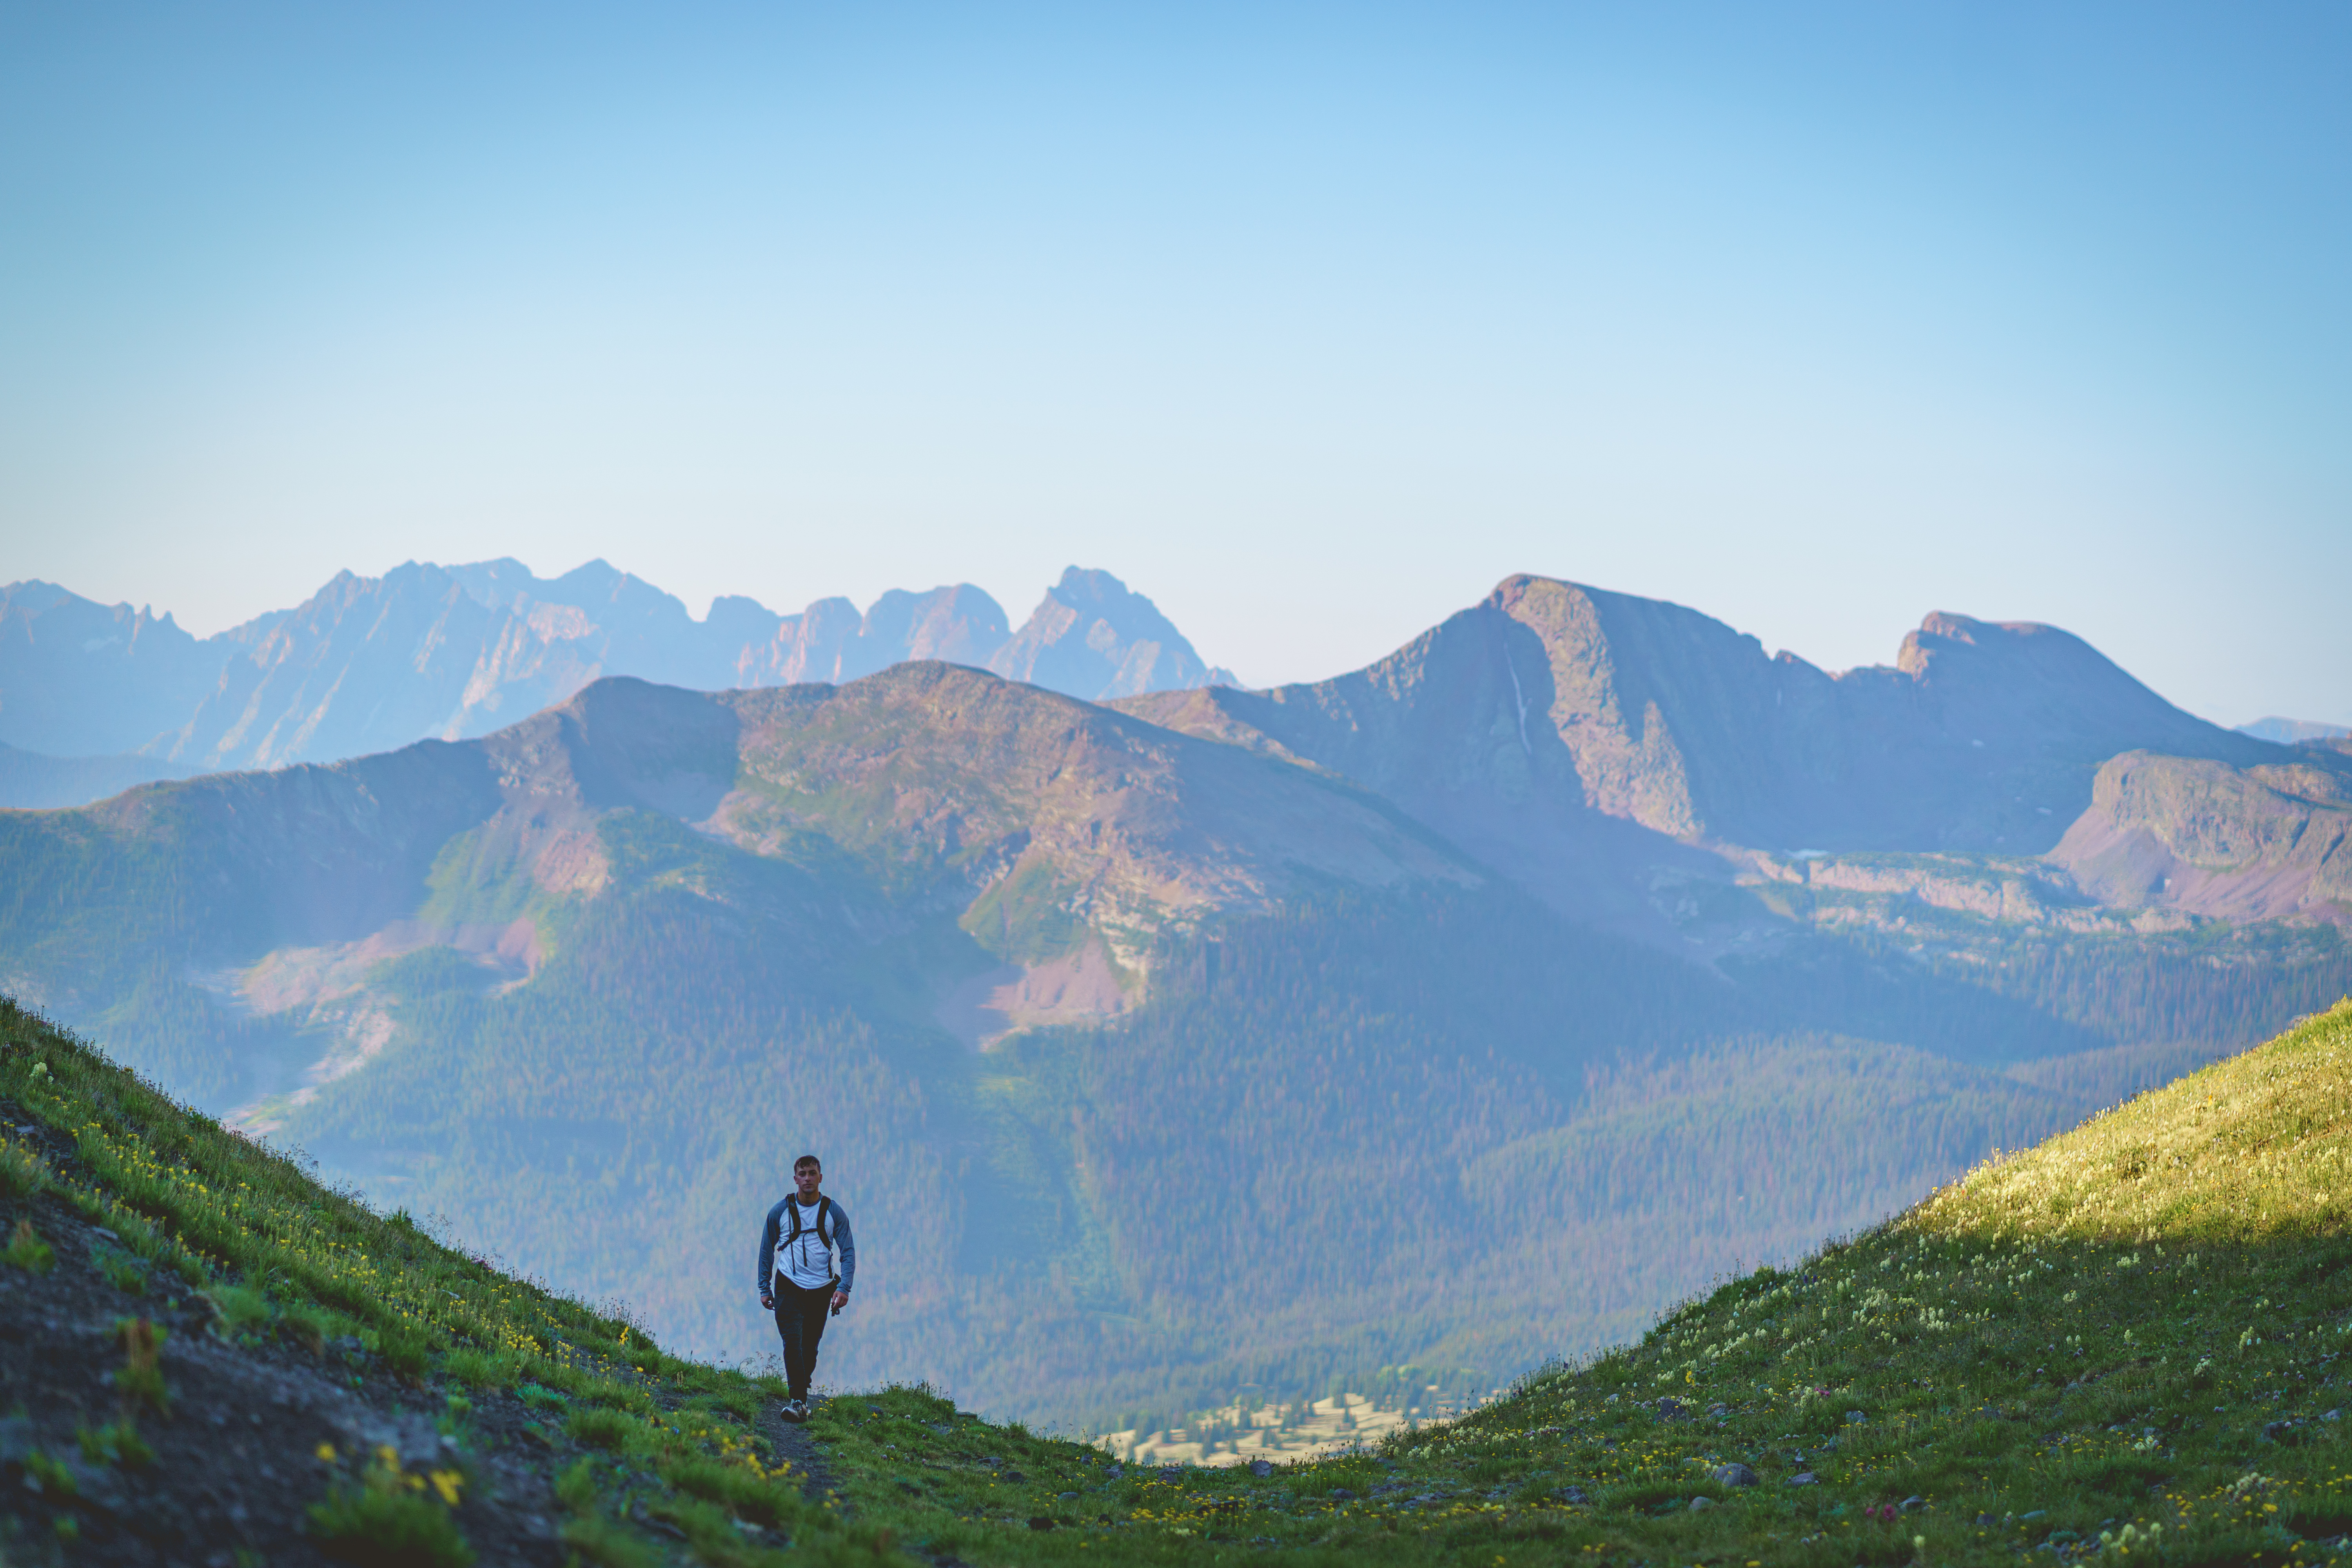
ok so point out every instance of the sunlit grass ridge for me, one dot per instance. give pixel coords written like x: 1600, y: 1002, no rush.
x: 2253, y: 1148
x: 2130, y: 1335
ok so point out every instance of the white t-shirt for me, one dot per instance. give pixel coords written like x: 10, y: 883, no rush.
x: 808, y: 1262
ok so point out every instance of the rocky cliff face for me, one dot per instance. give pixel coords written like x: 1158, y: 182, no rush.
x: 1604, y: 749
x: 1466, y: 728
x: 2253, y: 844
x: 1982, y: 737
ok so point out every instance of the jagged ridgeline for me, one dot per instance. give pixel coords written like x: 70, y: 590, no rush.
x: 1156, y: 1069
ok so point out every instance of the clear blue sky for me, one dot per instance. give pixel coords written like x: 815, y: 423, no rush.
x: 1310, y: 322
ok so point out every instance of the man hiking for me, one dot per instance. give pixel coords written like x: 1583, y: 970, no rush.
x: 809, y: 1278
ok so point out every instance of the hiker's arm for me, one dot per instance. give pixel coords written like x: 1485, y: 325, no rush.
x: 767, y: 1259
x: 846, y: 1250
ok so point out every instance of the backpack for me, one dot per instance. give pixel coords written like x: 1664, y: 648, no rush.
x: 824, y: 1226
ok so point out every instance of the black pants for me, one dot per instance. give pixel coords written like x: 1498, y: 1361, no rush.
x: 800, y: 1319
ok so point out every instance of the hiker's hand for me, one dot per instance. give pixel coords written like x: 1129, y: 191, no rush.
x: 840, y: 1299
x: 769, y: 1302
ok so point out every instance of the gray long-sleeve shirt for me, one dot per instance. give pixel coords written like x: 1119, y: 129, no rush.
x: 808, y: 1262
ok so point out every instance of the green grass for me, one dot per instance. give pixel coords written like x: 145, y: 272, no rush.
x: 276, y: 1255
x: 2089, y: 1345
x: 388, y: 1519
x: 27, y: 1251
x: 2080, y: 1343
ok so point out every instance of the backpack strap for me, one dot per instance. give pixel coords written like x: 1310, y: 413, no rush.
x: 823, y: 1221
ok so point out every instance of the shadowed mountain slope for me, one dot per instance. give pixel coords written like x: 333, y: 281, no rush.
x: 1597, y: 746
x: 1981, y: 735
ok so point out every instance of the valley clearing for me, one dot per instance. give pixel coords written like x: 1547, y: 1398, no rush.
x: 2131, y: 1340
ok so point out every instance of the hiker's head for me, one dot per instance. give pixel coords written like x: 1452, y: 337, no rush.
x: 807, y: 1174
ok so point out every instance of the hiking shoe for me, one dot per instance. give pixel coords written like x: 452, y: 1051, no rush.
x: 797, y: 1409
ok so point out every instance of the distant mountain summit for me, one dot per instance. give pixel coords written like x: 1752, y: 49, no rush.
x: 1981, y: 734
x: 82, y: 679
x: 2290, y: 731
x: 30, y: 779
x: 1093, y: 638
x: 830, y: 641
x: 371, y: 664
x: 1589, y: 742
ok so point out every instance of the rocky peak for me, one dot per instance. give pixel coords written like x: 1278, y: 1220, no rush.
x: 1093, y: 638
x: 1522, y: 726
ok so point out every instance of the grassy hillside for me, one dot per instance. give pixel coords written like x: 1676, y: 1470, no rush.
x: 2131, y: 1337
x: 210, y: 1357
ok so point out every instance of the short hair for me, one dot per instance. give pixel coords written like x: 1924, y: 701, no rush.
x: 806, y: 1159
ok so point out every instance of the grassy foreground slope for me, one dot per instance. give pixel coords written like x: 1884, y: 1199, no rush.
x: 2129, y: 1340
x: 206, y: 1357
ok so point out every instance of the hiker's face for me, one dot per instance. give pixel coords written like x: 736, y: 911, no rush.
x: 807, y: 1178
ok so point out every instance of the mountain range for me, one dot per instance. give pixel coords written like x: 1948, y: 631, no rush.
x: 1160, y: 1043
x: 370, y: 664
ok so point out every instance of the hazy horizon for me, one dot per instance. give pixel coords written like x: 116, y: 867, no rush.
x: 1310, y: 324
x: 701, y: 616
